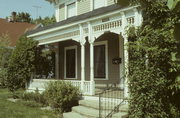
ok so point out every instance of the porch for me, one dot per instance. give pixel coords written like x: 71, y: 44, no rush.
x: 91, y: 71
x: 90, y: 52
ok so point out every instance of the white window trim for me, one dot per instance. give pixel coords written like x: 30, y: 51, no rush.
x: 68, y: 3
x: 92, y: 4
x: 66, y: 48
x: 106, y: 58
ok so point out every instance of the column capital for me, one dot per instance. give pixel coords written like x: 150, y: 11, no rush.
x: 135, y: 10
x: 91, y: 42
x: 82, y: 42
x: 122, y: 13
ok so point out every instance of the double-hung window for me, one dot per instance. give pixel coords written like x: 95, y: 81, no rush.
x: 98, y: 3
x: 71, y: 9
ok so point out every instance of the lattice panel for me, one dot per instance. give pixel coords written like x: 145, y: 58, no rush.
x: 107, y: 26
x: 130, y: 20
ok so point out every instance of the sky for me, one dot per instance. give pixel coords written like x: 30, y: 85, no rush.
x: 29, y: 6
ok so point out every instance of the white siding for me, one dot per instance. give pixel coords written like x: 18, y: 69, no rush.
x: 110, y: 2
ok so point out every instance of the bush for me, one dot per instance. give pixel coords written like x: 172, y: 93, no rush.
x: 61, y: 96
x: 3, y: 75
x: 31, y: 103
x: 21, y: 64
x: 34, y: 96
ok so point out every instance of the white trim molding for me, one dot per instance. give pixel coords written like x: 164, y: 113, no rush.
x: 76, y: 71
x: 80, y: 22
x: 106, y: 58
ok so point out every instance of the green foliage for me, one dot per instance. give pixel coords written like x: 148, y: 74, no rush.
x: 5, y: 52
x: 3, y: 76
x: 23, y: 17
x: 44, y: 63
x: 45, y: 21
x: 21, y: 64
x: 153, y: 63
x: 21, y: 109
x: 34, y: 96
x: 61, y: 95
x: 31, y: 103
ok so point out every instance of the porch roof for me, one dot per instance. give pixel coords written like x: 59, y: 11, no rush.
x: 84, y: 16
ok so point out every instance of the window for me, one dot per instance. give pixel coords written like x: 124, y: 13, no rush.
x: 71, y: 10
x: 70, y: 62
x: 98, y: 3
x: 100, y: 59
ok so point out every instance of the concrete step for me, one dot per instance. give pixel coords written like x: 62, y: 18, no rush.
x: 93, y: 113
x: 72, y: 115
x: 90, y: 103
x: 120, y: 115
x: 90, y: 109
x: 95, y: 104
x: 86, y: 112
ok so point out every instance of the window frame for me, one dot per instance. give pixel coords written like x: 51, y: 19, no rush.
x: 76, y: 66
x: 66, y: 8
x: 106, y: 59
x: 92, y: 5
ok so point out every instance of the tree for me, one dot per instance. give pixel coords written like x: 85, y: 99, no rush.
x: 23, y: 17
x: 5, y: 52
x: 45, y: 21
x: 4, y: 49
x: 153, y: 67
x: 21, y: 64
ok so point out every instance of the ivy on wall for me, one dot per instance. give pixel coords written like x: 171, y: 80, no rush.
x: 153, y: 66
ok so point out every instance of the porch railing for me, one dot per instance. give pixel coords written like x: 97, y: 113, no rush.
x: 110, y: 101
x: 86, y: 87
x: 40, y: 85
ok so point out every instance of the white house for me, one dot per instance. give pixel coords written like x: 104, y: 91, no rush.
x: 89, y: 38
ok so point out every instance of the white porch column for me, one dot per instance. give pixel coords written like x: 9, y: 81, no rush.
x: 91, y: 41
x: 56, y: 46
x: 82, y: 67
x: 124, y: 24
x: 121, y: 66
x: 92, y: 69
x: 82, y: 42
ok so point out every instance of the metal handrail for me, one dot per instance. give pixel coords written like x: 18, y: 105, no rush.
x: 109, y: 109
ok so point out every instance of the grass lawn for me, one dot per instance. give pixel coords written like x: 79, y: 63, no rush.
x: 10, y: 109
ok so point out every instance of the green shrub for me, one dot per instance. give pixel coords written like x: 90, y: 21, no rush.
x: 3, y: 75
x: 153, y: 64
x: 34, y: 96
x: 61, y: 96
x: 31, y: 103
x: 21, y: 64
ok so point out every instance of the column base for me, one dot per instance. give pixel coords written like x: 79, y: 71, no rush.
x: 92, y: 87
